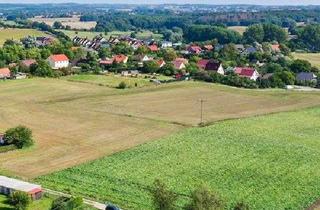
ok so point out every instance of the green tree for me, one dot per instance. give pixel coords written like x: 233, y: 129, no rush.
x: 274, y: 33
x: 41, y: 69
x: 163, y: 199
x: 150, y: 67
x: 300, y: 66
x: 204, y: 199
x: 20, y: 200
x: 310, y: 36
x: 254, y: 33
x: 20, y: 136
x: 57, y: 25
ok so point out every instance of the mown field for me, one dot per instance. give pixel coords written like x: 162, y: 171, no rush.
x: 239, y: 29
x: 74, y: 22
x: 113, y: 81
x: 17, y: 34
x: 91, y: 34
x: 75, y: 122
x: 313, y: 58
x: 269, y: 162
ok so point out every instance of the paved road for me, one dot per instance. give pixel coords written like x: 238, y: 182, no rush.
x: 94, y: 204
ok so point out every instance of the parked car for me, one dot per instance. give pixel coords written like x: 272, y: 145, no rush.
x: 110, y: 206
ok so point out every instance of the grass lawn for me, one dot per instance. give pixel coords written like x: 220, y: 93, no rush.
x: 239, y: 29
x: 113, y: 80
x: 43, y: 204
x: 269, y: 162
x: 91, y: 34
x: 313, y: 58
x: 75, y: 122
x: 17, y: 34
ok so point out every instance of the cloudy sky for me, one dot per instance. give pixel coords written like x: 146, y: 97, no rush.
x: 266, y: 2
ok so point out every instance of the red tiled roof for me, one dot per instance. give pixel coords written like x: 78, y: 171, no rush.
x: 177, y: 64
x: 244, y: 71
x: 195, y: 49
x: 5, y: 72
x: 184, y: 60
x: 34, y: 191
x: 106, y: 62
x: 119, y: 58
x: 202, y: 63
x: 28, y: 62
x: 161, y: 62
x: 275, y: 47
x: 59, y: 57
x: 153, y: 48
x: 208, y: 47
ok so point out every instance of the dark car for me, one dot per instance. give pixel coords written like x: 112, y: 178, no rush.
x: 110, y: 206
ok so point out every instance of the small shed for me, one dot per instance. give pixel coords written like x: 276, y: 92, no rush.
x: 9, y: 185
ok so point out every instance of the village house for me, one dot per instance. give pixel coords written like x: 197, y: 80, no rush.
x: 28, y: 62
x: 44, y: 41
x: 178, y: 64
x: 275, y: 48
x: 106, y: 61
x: 211, y: 65
x: 303, y: 77
x: 161, y: 63
x: 247, y: 72
x: 5, y: 73
x: 153, y: 48
x: 9, y: 185
x: 184, y: 60
x: 193, y: 49
x: 58, y: 61
x: 166, y: 44
x: 208, y: 47
x: 120, y: 59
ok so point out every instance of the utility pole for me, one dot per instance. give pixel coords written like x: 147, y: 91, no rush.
x: 201, y: 111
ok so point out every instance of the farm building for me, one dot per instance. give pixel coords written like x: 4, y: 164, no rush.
x: 9, y: 185
x: 58, y: 61
x: 306, y: 77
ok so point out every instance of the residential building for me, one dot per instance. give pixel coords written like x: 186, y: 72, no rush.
x: 166, y: 44
x: 5, y: 73
x: 247, y: 72
x: 193, y: 49
x: 161, y: 63
x: 306, y: 77
x: 9, y: 185
x: 28, y: 62
x: 178, y: 64
x: 211, y: 65
x: 58, y: 61
x: 120, y: 58
x: 153, y: 48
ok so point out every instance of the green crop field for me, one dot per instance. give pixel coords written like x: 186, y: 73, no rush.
x: 17, y: 34
x: 91, y: 34
x: 269, y: 162
x: 313, y: 58
x: 114, y: 80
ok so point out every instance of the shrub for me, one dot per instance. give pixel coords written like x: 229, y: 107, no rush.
x: 122, y: 85
x: 163, y: 199
x: 20, y: 136
x: 203, y: 199
x: 63, y: 203
x: 20, y: 200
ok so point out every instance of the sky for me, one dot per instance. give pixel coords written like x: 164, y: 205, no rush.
x: 266, y: 2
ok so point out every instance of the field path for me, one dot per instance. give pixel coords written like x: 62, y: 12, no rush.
x: 92, y: 203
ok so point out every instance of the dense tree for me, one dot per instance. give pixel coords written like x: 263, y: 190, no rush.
x: 163, y: 199
x: 42, y: 69
x: 20, y: 200
x: 57, y: 25
x: 150, y: 67
x: 310, y: 37
x: 300, y: 66
x: 254, y: 33
x: 204, y: 199
x: 20, y: 136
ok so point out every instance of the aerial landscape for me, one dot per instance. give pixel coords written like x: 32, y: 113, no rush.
x: 159, y: 105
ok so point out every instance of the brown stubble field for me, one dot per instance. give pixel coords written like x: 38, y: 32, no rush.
x: 77, y: 122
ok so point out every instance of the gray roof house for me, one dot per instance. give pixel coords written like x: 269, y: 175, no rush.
x: 306, y: 76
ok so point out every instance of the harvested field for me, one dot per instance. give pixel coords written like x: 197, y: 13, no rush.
x: 77, y: 122
x: 16, y: 34
x: 74, y: 22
